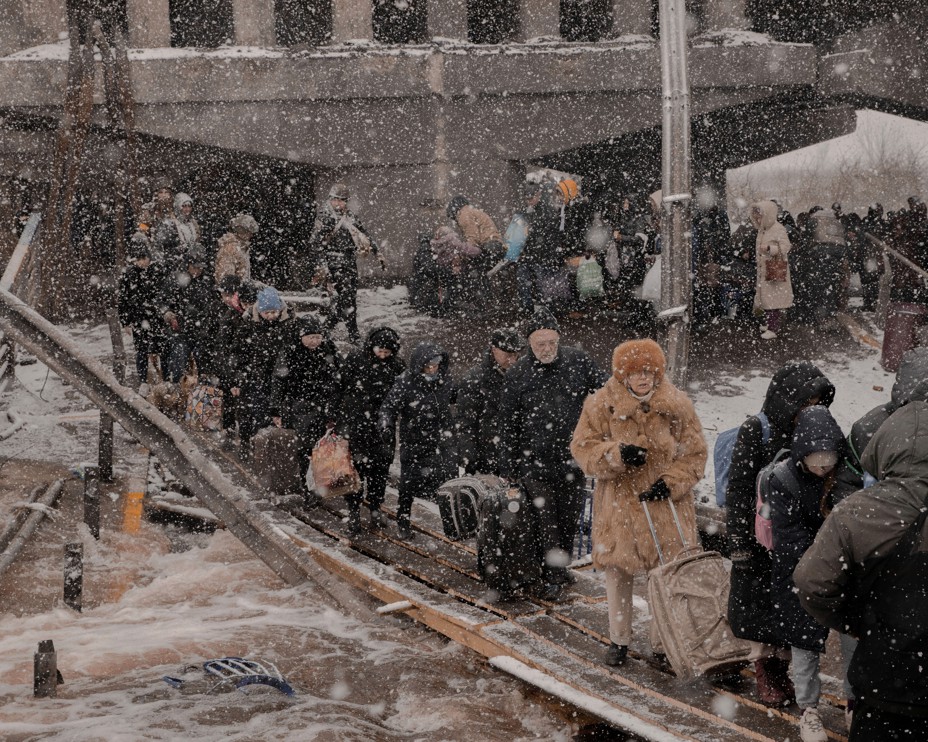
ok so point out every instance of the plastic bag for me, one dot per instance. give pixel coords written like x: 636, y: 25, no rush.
x: 589, y: 279
x: 333, y: 471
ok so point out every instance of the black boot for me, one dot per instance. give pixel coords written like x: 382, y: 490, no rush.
x: 616, y: 655
x: 354, y: 522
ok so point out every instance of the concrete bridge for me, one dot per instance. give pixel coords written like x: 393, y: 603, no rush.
x: 420, y: 106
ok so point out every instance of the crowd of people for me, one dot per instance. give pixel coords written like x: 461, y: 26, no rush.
x: 847, y: 512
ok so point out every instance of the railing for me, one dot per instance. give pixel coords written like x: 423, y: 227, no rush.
x: 7, y: 350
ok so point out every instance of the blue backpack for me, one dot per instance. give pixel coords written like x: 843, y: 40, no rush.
x: 516, y: 235
x: 724, y: 447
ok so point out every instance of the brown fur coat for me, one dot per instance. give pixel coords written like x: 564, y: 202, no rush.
x: 668, y: 427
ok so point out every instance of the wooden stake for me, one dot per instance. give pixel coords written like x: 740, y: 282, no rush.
x: 45, y: 670
x: 74, y: 576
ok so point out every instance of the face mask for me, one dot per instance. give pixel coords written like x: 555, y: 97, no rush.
x: 430, y: 377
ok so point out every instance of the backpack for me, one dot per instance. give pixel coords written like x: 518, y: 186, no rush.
x: 724, y: 448
x: 516, y: 234
x: 589, y: 279
x: 763, y: 524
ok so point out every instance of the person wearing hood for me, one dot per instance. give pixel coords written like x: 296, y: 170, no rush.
x: 543, y: 394
x: 179, y: 234
x: 139, y: 304
x: 233, y: 256
x: 368, y: 374
x: 306, y: 386
x: 238, y: 300
x: 191, y: 310
x: 479, y: 396
x: 639, y: 436
x: 866, y: 573
x: 477, y: 228
x: 774, y: 288
x: 259, y: 350
x: 911, y: 384
x: 793, y: 387
x: 798, y: 496
x: 338, y: 236
x: 420, y: 401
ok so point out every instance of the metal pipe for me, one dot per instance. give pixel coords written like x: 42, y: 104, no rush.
x: 28, y: 528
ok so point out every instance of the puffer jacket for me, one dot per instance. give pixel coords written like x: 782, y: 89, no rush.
x: 839, y: 579
x: 796, y: 512
x: 749, y: 607
x: 772, y: 242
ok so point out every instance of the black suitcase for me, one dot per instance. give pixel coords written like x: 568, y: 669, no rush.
x: 277, y: 460
x: 508, y: 550
x: 459, y: 502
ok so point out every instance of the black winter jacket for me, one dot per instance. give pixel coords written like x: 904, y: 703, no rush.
x: 543, y: 242
x: 234, y: 326
x: 306, y: 384
x: 332, y: 246
x: 260, y: 353
x: 540, y: 407
x: 140, y: 300
x: 366, y: 381
x: 749, y: 608
x: 423, y: 410
x: 479, y: 398
x: 796, y: 511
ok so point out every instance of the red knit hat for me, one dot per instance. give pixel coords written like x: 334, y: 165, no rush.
x: 638, y: 355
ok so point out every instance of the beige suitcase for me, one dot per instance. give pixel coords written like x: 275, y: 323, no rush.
x: 689, y: 606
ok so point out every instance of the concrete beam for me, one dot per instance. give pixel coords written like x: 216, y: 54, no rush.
x: 539, y: 18
x: 447, y: 19
x: 149, y: 23
x: 631, y: 18
x: 352, y: 21
x: 253, y: 21
x: 724, y: 14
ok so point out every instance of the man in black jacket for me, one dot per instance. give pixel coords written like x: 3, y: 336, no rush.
x: 479, y: 400
x: 139, y: 299
x: 543, y: 396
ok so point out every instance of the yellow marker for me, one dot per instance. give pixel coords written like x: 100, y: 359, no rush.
x: 132, y: 512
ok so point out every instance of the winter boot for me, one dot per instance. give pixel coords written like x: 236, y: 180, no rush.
x: 354, y: 522
x: 768, y: 692
x: 778, y: 674
x: 616, y: 655
x: 378, y: 521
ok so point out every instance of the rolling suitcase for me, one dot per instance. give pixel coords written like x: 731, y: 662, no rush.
x: 459, y: 502
x: 508, y: 550
x: 689, y: 604
x: 277, y: 460
x: 901, y: 335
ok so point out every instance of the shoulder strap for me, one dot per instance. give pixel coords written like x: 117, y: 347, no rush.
x: 782, y: 472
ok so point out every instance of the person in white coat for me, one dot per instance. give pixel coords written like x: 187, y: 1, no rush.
x: 774, y: 286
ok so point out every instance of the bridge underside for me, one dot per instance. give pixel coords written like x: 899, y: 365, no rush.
x: 404, y: 126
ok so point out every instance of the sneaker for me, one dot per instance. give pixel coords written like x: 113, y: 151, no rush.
x: 549, y: 592
x: 811, y: 728
x: 616, y: 655
x: 768, y: 335
x: 405, y: 533
x: 354, y: 524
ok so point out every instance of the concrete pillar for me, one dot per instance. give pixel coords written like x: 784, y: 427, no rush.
x: 631, y: 17
x: 254, y: 22
x: 149, y: 23
x: 351, y: 21
x: 539, y: 18
x: 447, y: 19
x: 720, y: 14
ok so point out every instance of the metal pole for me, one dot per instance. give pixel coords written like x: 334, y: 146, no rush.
x: 676, y: 261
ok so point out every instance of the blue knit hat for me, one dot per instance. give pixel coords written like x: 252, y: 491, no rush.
x: 269, y: 300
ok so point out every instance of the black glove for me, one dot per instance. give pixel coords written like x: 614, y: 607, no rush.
x: 633, y: 455
x: 388, y: 436
x: 657, y: 491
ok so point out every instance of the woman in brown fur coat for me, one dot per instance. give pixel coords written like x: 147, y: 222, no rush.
x: 640, y: 438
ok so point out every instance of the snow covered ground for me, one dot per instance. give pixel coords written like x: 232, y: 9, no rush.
x: 191, y: 598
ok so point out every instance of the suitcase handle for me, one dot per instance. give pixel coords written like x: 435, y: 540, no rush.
x: 676, y: 520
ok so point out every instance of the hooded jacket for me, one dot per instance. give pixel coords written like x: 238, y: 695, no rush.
x: 772, y: 242
x: 911, y: 384
x: 749, y: 608
x: 306, y: 384
x: 541, y: 404
x: 796, y: 511
x: 423, y: 409
x: 667, y: 426
x: 233, y: 258
x: 838, y: 578
x: 366, y: 381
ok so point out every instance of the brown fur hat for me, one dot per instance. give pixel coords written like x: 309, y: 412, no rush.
x: 638, y: 355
